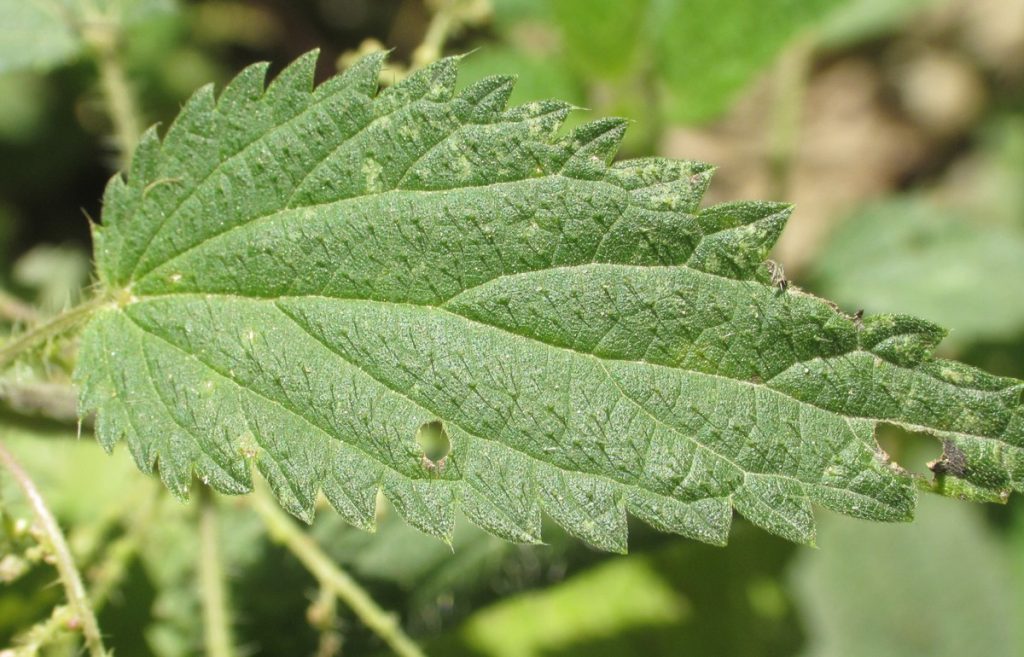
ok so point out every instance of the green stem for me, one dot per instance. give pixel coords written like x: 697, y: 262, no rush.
x: 69, y: 575
x: 792, y: 75
x: 51, y: 328
x: 432, y: 47
x: 118, y: 95
x: 283, y: 530
x: 212, y: 589
x: 109, y: 575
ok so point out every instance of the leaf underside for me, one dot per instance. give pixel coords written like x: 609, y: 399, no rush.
x: 304, y: 277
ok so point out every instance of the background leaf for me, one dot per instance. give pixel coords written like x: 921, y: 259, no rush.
x: 933, y: 589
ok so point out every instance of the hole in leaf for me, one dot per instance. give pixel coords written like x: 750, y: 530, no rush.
x: 910, y: 449
x: 433, y: 440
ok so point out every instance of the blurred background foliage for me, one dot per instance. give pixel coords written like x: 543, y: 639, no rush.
x: 896, y: 126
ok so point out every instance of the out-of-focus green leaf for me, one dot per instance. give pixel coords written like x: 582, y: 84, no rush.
x: 34, y: 34
x: 23, y: 96
x: 951, y: 259
x: 1015, y: 542
x: 56, y: 272
x: 507, y: 13
x: 704, y: 595
x: 937, y: 588
x: 601, y: 602
x: 538, y: 77
x: 859, y: 20
x: 700, y: 53
x: 41, y: 34
x: 65, y: 471
x: 602, y: 37
x: 169, y: 556
x: 707, y: 50
x: 929, y: 261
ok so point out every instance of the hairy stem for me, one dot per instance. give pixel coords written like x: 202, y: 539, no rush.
x: 106, y: 577
x: 51, y: 328
x: 212, y: 588
x: 69, y: 575
x: 118, y: 95
x: 285, y: 531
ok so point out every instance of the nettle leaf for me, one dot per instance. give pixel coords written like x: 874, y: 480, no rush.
x: 307, y: 277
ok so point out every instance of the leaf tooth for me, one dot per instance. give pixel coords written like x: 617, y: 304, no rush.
x: 738, y: 237
x: 591, y: 147
x: 174, y: 466
x: 428, y: 505
x: 588, y: 507
x: 121, y: 199
x: 226, y: 478
x: 351, y: 485
x: 244, y: 89
x: 900, y: 339
x: 193, y: 129
x: 295, y: 81
x: 499, y: 494
x: 435, y: 82
x: 488, y: 97
x: 144, y: 161
x: 292, y: 500
x: 117, y: 199
x: 644, y: 172
x: 544, y: 116
x: 362, y: 77
x: 707, y: 520
x: 778, y: 505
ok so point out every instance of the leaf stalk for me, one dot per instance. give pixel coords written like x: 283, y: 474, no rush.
x: 51, y: 328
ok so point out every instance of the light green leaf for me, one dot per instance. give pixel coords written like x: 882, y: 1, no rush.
x: 701, y: 52
x: 707, y: 50
x: 308, y: 276
x: 34, y: 34
x: 41, y: 34
x: 857, y: 21
x: 936, y: 262
x: 946, y: 256
x: 937, y: 588
x: 603, y: 38
x: 597, y: 605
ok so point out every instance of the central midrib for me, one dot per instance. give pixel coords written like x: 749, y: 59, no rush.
x: 600, y: 359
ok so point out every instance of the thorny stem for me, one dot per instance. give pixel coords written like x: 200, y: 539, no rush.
x: 283, y: 530
x: 69, y: 575
x: 212, y: 589
x: 48, y: 329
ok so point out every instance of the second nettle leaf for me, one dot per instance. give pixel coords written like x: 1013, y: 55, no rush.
x: 308, y: 277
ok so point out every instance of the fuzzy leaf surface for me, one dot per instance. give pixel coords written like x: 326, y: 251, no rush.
x: 304, y: 277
